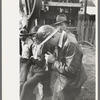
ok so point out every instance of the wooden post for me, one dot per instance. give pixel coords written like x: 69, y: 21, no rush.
x: 87, y: 31
x: 93, y: 33
x: 82, y: 31
x: 94, y: 36
x: 90, y: 33
x: 79, y: 30
x: 84, y: 19
x: 85, y: 9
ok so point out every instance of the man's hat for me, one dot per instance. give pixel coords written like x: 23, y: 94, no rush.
x: 23, y: 32
x: 60, y: 19
x: 44, y: 31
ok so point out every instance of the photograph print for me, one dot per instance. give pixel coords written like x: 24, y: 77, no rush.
x: 57, y: 49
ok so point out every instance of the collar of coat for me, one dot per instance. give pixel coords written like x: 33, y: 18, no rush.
x: 65, y: 38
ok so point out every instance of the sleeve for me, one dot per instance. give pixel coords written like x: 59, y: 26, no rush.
x: 30, y: 51
x: 40, y: 60
x: 70, y: 61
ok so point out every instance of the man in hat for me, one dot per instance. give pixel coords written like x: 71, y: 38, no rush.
x: 36, y: 73
x: 62, y: 21
x: 65, y: 57
x: 33, y: 31
x: 25, y: 44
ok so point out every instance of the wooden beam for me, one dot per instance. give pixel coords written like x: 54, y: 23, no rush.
x: 85, y: 9
x: 62, y: 4
x: 72, y: 28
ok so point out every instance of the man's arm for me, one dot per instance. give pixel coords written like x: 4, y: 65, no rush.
x: 70, y: 61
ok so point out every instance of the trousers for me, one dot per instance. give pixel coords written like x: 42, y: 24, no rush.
x: 30, y: 84
x: 66, y: 95
x: 24, y: 69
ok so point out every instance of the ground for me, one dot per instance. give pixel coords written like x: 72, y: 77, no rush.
x: 88, y: 90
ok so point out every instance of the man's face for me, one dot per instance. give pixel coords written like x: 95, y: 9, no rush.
x: 54, y: 40
x: 63, y: 26
x: 23, y: 38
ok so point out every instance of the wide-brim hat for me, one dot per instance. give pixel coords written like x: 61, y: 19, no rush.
x: 44, y: 31
x: 23, y: 32
x: 60, y: 19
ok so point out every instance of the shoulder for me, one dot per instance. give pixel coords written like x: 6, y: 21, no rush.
x: 72, y: 47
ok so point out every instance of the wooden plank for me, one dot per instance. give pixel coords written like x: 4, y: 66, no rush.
x: 62, y: 4
x: 73, y: 30
x: 79, y: 30
x: 93, y: 33
x: 94, y: 36
x: 82, y: 31
x: 90, y: 32
x: 72, y: 27
x: 87, y: 31
x: 86, y: 25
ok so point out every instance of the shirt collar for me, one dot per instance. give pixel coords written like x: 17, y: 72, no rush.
x: 60, y: 43
x: 27, y: 41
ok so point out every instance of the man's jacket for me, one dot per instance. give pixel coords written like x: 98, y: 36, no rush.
x: 68, y: 71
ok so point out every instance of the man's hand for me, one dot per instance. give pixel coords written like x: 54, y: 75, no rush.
x: 34, y: 61
x: 37, y: 51
x: 51, y: 58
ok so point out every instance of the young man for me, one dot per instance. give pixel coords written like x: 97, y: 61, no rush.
x: 62, y: 21
x: 25, y: 44
x: 37, y: 72
x: 65, y: 56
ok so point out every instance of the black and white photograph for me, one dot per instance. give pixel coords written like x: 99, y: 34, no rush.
x: 57, y: 49
x: 56, y: 54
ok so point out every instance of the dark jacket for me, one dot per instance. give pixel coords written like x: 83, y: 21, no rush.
x: 68, y: 65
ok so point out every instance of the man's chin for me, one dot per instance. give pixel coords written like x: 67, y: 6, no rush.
x: 23, y: 39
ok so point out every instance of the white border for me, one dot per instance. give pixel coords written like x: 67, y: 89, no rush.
x: 10, y: 50
x: 96, y: 50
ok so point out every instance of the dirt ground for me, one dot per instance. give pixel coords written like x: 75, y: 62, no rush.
x: 88, y: 90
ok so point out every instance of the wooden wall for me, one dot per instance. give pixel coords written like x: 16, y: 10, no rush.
x: 86, y: 31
